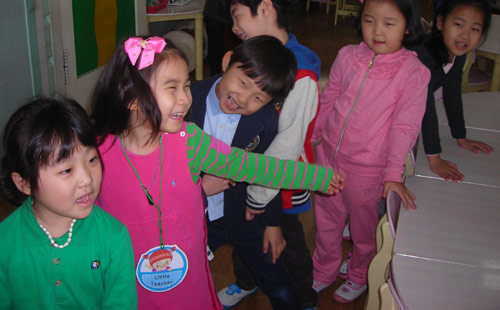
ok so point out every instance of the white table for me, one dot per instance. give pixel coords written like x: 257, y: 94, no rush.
x: 477, y: 168
x: 481, y: 110
x: 192, y: 10
x: 454, y: 222
x: 446, y: 252
x: 433, y: 285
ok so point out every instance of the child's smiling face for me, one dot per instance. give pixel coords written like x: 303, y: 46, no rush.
x: 245, y: 25
x: 68, y: 189
x: 237, y: 93
x: 170, y: 84
x: 461, y: 30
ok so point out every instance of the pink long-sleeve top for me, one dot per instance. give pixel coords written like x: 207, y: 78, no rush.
x: 371, y: 109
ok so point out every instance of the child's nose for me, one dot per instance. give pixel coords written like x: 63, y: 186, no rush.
x: 235, y: 28
x: 184, y: 96
x: 244, y: 97
x: 377, y: 29
x: 86, y: 177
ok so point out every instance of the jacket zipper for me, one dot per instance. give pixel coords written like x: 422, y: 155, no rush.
x: 353, y: 106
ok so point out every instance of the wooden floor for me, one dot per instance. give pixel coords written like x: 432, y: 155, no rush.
x: 314, y: 29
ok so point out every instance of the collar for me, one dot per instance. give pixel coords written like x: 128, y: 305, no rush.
x: 384, y: 57
x: 33, y: 235
x: 212, y: 100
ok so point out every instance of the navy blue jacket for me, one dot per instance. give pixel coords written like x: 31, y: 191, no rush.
x: 254, y: 133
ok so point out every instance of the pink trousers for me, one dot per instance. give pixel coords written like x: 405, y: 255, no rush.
x: 359, y: 202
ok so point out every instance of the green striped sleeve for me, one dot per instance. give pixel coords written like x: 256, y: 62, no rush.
x: 214, y: 157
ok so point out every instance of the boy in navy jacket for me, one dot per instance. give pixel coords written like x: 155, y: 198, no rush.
x: 236, y: 107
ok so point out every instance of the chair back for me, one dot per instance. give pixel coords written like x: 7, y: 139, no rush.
x: 394, y: 292
x: 393, y: 204
x: 474, y: 79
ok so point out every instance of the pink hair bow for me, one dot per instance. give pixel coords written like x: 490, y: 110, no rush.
x: 150, y: 46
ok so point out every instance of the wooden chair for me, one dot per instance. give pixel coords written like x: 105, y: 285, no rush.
x: 386, y: 232
x: 387, y: 300
x: 344, y: 9
x: 426, y: 25
x: 489, y: 49
x: 409, y: 164
x: 328, y: 4
x: 474, y: 79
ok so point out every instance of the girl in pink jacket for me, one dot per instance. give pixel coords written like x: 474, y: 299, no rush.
x: 371, y: 112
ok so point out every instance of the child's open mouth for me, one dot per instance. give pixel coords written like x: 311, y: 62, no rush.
x: 232, y: 105
x: 85, y: 200
x: 461, y: 46
x: 177, y: 116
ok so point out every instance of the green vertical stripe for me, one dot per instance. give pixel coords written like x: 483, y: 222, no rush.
x: 85, y: 41
x: 125, y: 24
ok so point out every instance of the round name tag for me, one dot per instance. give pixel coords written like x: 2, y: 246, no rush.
x: 160, y: 270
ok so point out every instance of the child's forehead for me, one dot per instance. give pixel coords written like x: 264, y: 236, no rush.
x: 238, y: 7
x: 63, y: 153
x: 172, y: 68
x: 236, y: 69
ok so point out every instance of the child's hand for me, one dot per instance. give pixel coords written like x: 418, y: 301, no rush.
x: 273, y: 237
x: 474, y: 146
x: 213, y: 185
x: 407, y: 198
x: 336, y: 185
x: 251, y: 213
x: 445, y: 169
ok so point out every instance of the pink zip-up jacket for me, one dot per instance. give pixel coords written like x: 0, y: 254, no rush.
x: 371, y: 111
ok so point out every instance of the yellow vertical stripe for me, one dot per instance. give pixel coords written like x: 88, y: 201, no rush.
x: 105, y: 16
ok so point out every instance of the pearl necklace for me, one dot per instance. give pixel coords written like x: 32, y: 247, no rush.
x: 52, y: 242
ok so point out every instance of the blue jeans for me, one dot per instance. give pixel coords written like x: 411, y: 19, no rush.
x: 246, y: 239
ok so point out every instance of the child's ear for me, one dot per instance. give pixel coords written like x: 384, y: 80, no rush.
x: 439, y: 23
x: 134, y: 106
x: 22, y: 185
x: 225, y: 60
x: 266, y: 7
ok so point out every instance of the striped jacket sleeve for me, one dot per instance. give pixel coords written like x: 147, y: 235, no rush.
x: 212, y: 156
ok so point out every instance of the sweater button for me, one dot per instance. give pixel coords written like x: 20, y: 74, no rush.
x: 183, y: 133
x: 56, y: 261
x: 58, y: 283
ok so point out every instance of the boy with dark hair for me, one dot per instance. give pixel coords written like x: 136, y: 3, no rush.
x: 235, y: 108
x: 296, y: 124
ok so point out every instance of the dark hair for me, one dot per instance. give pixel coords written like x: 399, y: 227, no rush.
x: 284, y: 10
x: 122, y: 84
x: 411, y: 13
x: 269, y: 63
x: 435, y: 42
x: 42, y: 132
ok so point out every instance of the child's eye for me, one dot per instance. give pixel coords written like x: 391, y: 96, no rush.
x: 243, y: 83
x: 94, y: 159
x: 458, y: 24
x: 477, y: 29
x: 389, y: 24
x: 65, y: 171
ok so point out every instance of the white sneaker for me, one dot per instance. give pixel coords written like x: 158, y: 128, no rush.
x: 233, y: 294
x: 348, y: 292
x: 319, y: 286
